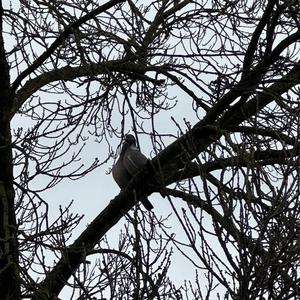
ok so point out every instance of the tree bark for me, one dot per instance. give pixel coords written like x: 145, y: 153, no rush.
x: 9, y: 274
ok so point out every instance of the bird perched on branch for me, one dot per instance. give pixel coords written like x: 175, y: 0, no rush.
x: 130, y: 162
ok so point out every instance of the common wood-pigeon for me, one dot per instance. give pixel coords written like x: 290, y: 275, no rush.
x: 129, y: 163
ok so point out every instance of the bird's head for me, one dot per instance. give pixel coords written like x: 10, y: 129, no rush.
x: 130, y: 140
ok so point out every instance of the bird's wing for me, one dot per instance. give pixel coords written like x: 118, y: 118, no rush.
x: 134, y: 160
x: 120, y: 175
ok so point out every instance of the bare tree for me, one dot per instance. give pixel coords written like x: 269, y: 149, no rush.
x: 73, y: 70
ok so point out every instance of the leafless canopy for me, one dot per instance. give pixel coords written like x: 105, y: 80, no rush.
x: 225, y: 73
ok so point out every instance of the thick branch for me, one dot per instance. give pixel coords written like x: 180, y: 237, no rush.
x: 76, y: 253
x: 70, y: 73
x: 257, y: 33
x: 244, y: 159
x: 238, y: 114
x: 188, y: 146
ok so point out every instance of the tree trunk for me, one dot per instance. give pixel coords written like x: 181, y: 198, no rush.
x: 9, y: 273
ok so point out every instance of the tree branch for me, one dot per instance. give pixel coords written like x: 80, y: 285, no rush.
x: 189, y: 145
x: 76, y: 253
x: 70, y: 73
x: 59, y: 40
x: 256, y: 34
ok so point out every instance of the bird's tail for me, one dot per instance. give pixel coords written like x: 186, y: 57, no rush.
x: 147, y: 204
